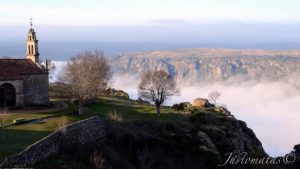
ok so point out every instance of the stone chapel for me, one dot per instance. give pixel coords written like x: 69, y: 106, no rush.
x: 24, y: 82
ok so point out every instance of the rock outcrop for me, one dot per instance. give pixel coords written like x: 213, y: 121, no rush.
x: 201, y: 103
x: 223, y: 110
x: 200, y: 141
x: 115, y: 92
x: 293, y: 159
x: 297, y: 153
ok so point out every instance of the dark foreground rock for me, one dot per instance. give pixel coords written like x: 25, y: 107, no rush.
x: 293, y: 158
x: 201, y: 141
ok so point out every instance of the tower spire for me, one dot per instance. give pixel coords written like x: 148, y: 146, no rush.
x: 30, y: 22
x: 32, y: 45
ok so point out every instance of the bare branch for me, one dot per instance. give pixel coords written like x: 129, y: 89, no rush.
x: 157, y: 86
x: 88, y: 74
x: 214, y: 96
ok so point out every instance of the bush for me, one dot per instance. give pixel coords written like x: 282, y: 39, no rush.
x: 114, y: 116
x: 180, y: 106
x: 175, y: 106
x: 97, y: 160
x: 193, y: 110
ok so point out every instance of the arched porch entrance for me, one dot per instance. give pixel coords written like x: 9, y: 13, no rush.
x: 7, y: 95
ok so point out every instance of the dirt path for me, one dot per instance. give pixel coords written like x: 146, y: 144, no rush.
x: 57, y: 105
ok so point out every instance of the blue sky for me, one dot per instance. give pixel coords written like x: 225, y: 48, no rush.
x: 149, y: 24
x: 144, y: 12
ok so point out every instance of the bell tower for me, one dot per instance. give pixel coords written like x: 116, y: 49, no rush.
x: 32, y: 45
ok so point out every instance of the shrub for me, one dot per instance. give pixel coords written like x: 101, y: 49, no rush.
x: 114, y: 116
x: 181, y: 106
x: 62, y: 123
x: 176, y: 107
x: 97, y: 160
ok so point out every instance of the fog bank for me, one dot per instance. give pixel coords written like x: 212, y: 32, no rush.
x: 271, y: 109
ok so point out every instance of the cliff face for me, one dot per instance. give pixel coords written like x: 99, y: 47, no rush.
x: 200, y: 141
x: 212, y: 64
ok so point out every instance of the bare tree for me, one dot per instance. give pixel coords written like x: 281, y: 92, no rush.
x: 214, y: 96
x: 88, y: 74
x: 157, y: 86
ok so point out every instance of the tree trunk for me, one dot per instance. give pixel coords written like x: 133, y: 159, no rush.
x: 80, y: 108
x: 3, y: 130
x: 158, y: 109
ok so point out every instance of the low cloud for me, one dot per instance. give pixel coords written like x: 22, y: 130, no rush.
x: 59, y: 67
x: 271, y: 109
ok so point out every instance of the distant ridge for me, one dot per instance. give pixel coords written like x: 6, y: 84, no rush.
x: 199, y: 64
x: 215, y: 52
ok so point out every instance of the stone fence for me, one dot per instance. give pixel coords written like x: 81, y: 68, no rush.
x: 85, y: 131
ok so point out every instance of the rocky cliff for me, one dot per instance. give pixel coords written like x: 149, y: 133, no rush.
x: 212, y: 64
x: 199, y: 141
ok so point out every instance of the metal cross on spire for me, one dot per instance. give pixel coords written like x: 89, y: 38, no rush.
x: 30, y: 22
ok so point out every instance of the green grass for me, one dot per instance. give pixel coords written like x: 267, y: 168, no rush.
x: 18, y: 137
x: 10, y: 117
x: 131, y: 110
x: 16, y: 140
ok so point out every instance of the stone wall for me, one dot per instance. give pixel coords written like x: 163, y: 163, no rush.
x: 32, y: 90
x: 49, y: 145
x: 36, y: 89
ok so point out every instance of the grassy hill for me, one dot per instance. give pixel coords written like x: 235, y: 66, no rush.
x: 17, y: 137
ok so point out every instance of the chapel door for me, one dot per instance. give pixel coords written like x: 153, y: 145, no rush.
x: 2, y: 98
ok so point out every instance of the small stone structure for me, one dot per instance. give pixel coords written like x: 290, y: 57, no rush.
x: 87, y: 131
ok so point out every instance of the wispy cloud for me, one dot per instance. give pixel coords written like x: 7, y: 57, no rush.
x: 136, y: 12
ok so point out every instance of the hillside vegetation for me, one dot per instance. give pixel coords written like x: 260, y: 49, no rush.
x: 128, y: 110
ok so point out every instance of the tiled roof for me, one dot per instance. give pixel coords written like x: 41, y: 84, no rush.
x: 14, y: 69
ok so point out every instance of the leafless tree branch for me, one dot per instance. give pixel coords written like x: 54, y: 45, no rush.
x: 88, y: 74
x: 157, y: 86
